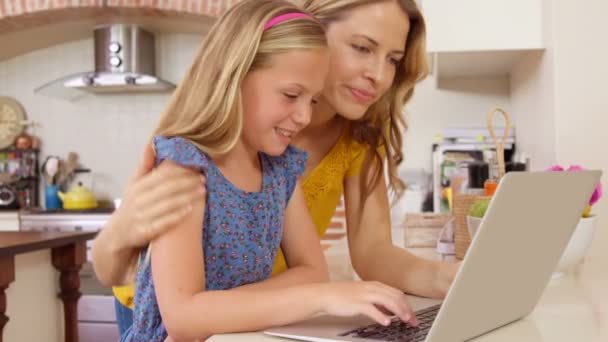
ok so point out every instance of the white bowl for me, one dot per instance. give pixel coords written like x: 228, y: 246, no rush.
x: 473, y: 225
x: 577, y: 246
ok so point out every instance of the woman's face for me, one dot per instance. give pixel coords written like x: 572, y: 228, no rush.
x: 365, y: 47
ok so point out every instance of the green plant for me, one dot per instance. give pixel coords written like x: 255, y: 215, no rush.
x: 479, y: 207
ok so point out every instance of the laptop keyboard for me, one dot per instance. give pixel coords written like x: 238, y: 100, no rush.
x: 398, y: 330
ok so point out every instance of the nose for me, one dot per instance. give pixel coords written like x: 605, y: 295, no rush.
x: 303, y: 114
x: 375, y: 70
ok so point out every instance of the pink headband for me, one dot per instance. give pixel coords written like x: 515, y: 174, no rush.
x: 283, y: 17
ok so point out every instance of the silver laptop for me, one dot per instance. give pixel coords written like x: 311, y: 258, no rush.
x: 507, y: 267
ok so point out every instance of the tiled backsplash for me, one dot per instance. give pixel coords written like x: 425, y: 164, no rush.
x: 107, y: 131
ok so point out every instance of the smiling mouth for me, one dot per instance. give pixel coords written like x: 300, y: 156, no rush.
x: 362, y: 95
x: 285, y: 132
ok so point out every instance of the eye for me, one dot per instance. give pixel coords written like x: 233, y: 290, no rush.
x: 291, y: 96
x: 360, y: 48
x: 395, y: 61
x: 314, y: 101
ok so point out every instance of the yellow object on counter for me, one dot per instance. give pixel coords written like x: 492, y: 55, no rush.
x: 78, y: 198
x: 449, y: 196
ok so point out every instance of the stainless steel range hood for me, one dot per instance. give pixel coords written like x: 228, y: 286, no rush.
x: 124, y: 63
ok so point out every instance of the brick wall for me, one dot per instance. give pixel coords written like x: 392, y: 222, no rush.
x: 14, y: 8
x: 337, y: 227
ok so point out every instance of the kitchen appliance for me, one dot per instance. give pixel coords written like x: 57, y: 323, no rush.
x: 96, y: 317
x: 124, y: 62
x: 455, y: 148
x: 79, y: 198
x: 8, y: 198
x: 19, y: 179
x: 80, y: 195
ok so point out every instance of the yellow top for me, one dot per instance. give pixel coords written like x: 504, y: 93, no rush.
x: 322, y: 189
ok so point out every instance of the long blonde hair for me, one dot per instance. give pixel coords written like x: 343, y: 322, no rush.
x: 383, y: 125
x: 206, y: 107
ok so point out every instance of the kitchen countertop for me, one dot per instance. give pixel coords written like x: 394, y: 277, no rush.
x: 572, y: 308
x: 12, y: 243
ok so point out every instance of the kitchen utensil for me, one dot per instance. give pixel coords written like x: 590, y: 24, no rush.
x: 500, y: 147
x: 67, y: 171
x: 51, y: 197
x: 51, y: 167
x: 23, y: 141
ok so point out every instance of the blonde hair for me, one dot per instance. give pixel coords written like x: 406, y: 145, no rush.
x: 206, y: 107
x: 383, y: 125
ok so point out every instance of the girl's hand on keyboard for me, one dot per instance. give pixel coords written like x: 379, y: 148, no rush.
x: 369, y: 298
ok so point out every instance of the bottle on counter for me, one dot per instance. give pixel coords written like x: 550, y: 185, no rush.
x: 479, y: 172
x: 492, y: 183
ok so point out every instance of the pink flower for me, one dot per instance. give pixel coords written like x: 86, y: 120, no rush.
x: 555, y: 168
x: 575, y: 168
x: 597, y: 193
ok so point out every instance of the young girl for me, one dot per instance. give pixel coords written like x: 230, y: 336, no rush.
x: 248, y: 93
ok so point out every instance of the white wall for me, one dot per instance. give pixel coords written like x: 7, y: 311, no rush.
x: 581, y: 100
x: 108, y: 132
x: 533, y: 99
x: 561, y: 95
x: 455, y: 103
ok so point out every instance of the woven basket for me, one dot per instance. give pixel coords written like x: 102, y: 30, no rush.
x: 462, y: 239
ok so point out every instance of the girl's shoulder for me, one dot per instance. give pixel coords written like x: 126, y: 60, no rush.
x: 180, y: 151
x: 291, y: 162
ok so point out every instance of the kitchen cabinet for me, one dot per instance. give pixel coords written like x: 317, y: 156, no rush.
x: 471, y: 38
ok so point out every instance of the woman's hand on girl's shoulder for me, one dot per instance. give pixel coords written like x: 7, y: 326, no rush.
x: 370, y: 298
x: 155, y: 200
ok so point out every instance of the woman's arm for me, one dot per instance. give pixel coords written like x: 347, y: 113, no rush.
x: 153, y: 202
x: 190, y: 312
x: 373, y: 254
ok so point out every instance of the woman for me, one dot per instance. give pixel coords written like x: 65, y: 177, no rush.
x: 377, y: 50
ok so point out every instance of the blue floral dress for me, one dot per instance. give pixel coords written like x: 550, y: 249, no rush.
x: 242, y: 230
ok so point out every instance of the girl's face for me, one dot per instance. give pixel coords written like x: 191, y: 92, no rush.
x: 278, y: 99
x: 366, y: 46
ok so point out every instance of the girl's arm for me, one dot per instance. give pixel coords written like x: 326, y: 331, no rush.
x: 155, y: 199
x: 190, y: 312
x: 373, y: 254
